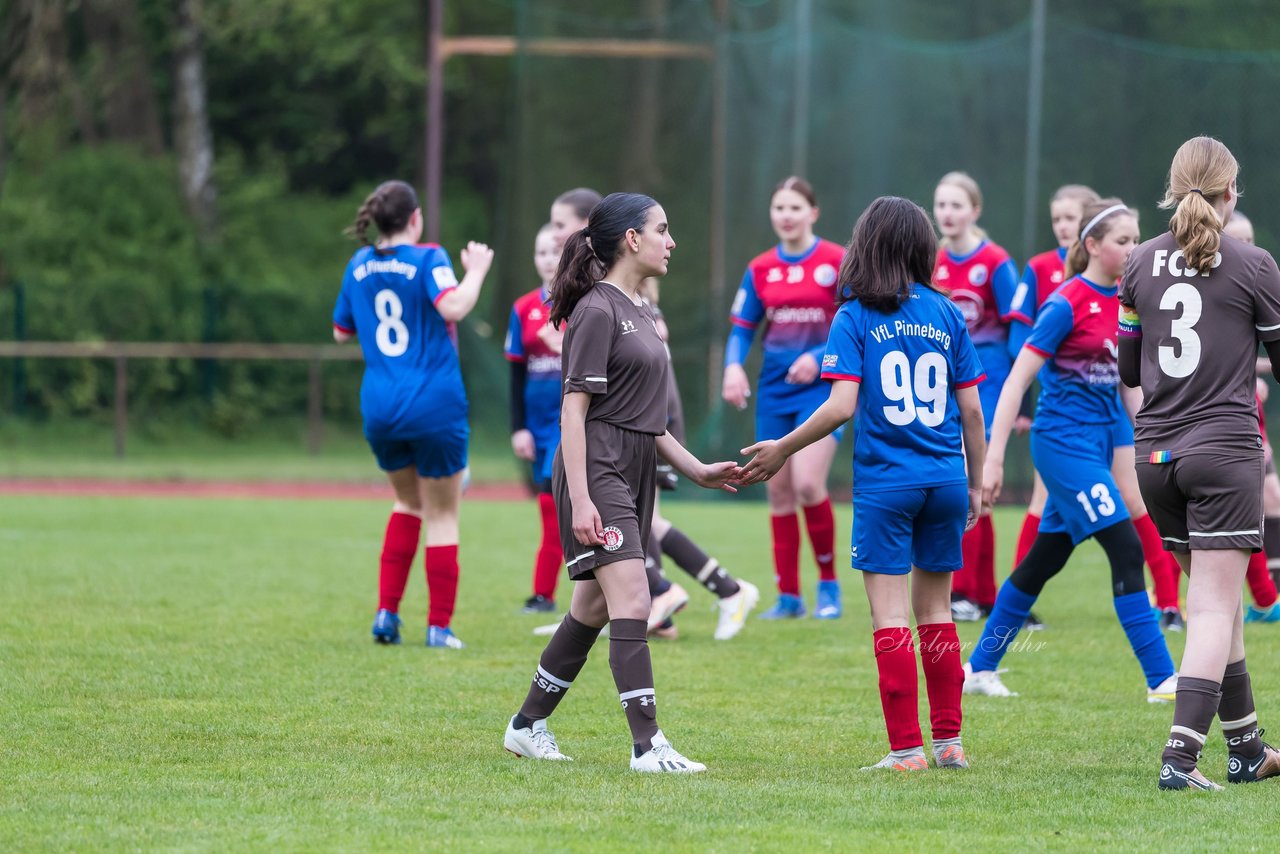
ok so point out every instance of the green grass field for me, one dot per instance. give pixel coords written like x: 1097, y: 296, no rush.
x: 198, y: 674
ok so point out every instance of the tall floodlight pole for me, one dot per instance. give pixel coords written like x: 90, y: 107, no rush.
x: 434, y: 154
x: 1035, y: 109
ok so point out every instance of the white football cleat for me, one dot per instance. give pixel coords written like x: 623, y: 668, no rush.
x: 911, y: 759
x: 662, y: 758
x: 1165, y: 692
x: 533, y: 742
x: 985, y: 682
x: 734, y: 610
x: 666, y: 604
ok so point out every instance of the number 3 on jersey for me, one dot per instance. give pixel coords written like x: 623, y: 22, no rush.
x: 1181, y: 361
x: 920, y: 393
x: 392, y: 335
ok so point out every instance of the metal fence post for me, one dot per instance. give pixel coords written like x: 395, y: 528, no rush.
x: 315, y: 413
x: 19, y: 334
x: 122, y: 404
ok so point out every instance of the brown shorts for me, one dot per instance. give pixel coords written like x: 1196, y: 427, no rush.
x: 621, y: 467
x: 1205, y: 501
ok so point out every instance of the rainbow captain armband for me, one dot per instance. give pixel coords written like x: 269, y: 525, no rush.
x: 1159, y: 457
x: 1130, y: 324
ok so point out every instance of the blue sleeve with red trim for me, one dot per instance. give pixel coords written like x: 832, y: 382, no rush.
x: 746, y: 313
x: 514, y: 346
x: 343, y: 319
x: 1004, y: 283
x: 440, y: 277
x: 843, y: 357
x: 1054, y: 323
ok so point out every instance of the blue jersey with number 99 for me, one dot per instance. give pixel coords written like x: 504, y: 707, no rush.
x: 909, y: 363
x: 412, y: 382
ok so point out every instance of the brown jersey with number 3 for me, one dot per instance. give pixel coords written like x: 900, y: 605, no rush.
x: 1200, y: 334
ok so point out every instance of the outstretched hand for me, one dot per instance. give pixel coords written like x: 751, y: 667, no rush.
x: 768, y: 459
x: 722, y: 475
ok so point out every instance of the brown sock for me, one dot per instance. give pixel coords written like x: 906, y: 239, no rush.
x: 633, y: 674
x: 1236, y: 712
x: 699, y: 564
x: 1193, y: 710
x: 560, y: 664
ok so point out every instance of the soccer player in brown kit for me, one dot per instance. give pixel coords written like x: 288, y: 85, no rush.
x: 613, y: 422
x: 1194, y: 305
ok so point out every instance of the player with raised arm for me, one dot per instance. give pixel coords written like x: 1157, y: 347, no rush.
x: 1073, y: 341
x: 790, y: 289
x: 900, y: 352
x: 403, y: 301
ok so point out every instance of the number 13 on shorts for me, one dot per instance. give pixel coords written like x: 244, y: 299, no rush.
x: 1098, y: 501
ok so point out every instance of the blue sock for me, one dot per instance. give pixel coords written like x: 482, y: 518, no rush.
x: 1143, y: 630
x: 1007, y: 617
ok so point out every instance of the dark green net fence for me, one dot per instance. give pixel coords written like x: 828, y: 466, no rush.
x: 707, y: 104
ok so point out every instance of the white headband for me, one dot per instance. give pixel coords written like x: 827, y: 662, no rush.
x: 1108, y: 212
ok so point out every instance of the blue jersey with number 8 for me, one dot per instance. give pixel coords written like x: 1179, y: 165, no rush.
x: 412, y: 382
x: 909, y: 362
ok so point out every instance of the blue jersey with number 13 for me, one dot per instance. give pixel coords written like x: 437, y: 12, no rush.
x: 907, y: 431
x: 412, y: 381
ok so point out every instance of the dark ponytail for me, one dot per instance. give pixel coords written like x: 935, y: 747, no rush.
x: 388, y: 208
x: 591, y: 252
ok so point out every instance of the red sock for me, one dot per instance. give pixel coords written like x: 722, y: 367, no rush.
x: 546, y: 568
x: 786, y: 552
x: 442, y: 583
x: 1027, y: 536
x: 899, y: 686
x: 820, y: 520
x: 984, y: 591
x: 963, y: 582
x: 1261, y: 584
x: 943, y: 677
x: 399, y: 545
x: 1164, y: 568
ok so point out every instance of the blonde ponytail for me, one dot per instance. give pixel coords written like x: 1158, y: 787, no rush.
x: 1203, y: 169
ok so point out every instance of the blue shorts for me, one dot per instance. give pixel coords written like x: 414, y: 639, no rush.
x: 775, y: 425
x: 543, y: 456
x: 442, y: 454
x: 1074, y: 462
x: 897, y: 529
